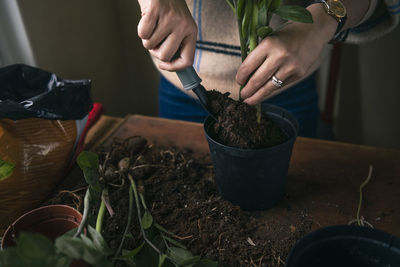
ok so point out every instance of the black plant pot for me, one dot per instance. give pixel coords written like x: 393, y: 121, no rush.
x: 345, y: 246
x: 254, y: 179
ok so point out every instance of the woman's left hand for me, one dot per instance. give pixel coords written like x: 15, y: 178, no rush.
x: 286, y: 55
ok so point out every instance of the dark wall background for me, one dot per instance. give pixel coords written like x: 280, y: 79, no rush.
x: 95, y: 39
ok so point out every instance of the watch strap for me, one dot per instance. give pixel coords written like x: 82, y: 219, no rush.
x: 341, y: 21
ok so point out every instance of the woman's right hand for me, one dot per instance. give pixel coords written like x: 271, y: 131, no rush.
x: 165, y: 27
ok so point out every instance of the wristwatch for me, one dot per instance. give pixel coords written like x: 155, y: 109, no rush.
x: 336, y: 9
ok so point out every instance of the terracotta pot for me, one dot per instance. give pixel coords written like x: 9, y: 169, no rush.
x: 51, y: 221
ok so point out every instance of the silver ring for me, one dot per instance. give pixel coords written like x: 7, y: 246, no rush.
x: 275, y: 81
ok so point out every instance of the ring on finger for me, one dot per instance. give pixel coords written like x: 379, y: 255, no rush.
x: 275, y: 81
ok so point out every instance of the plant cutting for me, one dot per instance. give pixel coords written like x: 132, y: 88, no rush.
x: 251, y: 148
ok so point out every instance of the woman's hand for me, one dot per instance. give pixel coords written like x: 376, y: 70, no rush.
x: 287, y: 55
x: 166, y: 27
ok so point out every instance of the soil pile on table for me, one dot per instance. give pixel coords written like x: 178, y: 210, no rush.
x: 237, y: 124
x: 182, y: 196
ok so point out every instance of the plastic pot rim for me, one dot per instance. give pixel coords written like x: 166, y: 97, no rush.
x: 288, y: 118
x: 337, y: 232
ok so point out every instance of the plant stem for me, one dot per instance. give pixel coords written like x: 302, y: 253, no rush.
x: 128, y: 223
x: 140, y: 215
x: 143, y: 202
x: 253, y: 44
x: 231, y: 5
x: 253, y: 28
x: 361, y: 195
x: 243, y: 40
x: 258, y: 114
x: 100, y: 216
x: 85, y: 215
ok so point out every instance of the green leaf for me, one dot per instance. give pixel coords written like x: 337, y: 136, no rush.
x: 88, y: 242
x: 133, y: 252
x: 264, y: 31
x: 206, y: 263
x: 161, y: 259
x: 162, y: 229
x: 9, y: 257
x: 179, y: 255
x: 247, y: 19
x: 99, y: 242
x: 262, y: 16
x: 240, y: 9
x: 191, y: 261
x: 294, y: 13
x: 173, y: 241
x: 274, y: 5
x: 34, y: 246
x: 92, y: 178
x: 76, y: 248
x: 87, y: 159
x: 147, y: 220
x: 6, y: 169
x: 230, y: 3
x: 70, y: 246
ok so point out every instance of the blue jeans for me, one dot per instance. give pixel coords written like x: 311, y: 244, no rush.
x: 301, y: 100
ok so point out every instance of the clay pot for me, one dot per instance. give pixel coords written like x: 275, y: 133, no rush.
x: 254, y: 179
x: 51, y: 221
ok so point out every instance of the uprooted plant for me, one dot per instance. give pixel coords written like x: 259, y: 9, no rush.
x: 118, y: 167
x: 158, y: 246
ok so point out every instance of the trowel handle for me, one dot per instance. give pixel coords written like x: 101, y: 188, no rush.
x: 189, y: 78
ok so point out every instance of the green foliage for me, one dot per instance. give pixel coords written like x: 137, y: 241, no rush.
x: 6, y: 169
x: 147, y: 220
x: 89, y: 163
x: 294, y: 13
x: 264, y: 31
x: 274, y: 4
x: 159, y: 248
x: 253, y: 18
x: 87, y: 159
x: 34, y: 249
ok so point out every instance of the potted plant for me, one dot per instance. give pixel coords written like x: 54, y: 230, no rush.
x: 251, y: 146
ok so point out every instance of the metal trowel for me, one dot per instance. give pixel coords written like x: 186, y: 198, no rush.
x: 191, y: 81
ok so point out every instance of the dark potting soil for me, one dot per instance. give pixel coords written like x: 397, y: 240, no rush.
x: 182, y: 197
x: 237, y: 124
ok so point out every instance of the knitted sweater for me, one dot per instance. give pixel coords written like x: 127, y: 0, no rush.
x: 217, y: 56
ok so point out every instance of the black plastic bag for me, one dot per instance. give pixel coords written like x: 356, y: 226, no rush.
x: 28, y: 92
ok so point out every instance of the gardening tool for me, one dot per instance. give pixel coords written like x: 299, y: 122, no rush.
x: 191, y: 81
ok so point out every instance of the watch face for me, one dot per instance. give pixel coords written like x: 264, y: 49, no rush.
x: 337, y: 8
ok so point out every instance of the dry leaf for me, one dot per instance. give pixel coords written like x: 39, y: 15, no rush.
x: 251, y: 242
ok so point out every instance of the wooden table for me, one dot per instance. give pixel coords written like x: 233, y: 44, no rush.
x: 324, y: 176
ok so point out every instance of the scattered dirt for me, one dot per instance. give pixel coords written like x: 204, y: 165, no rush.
x: 182, y: 197
x: 237, y: 124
